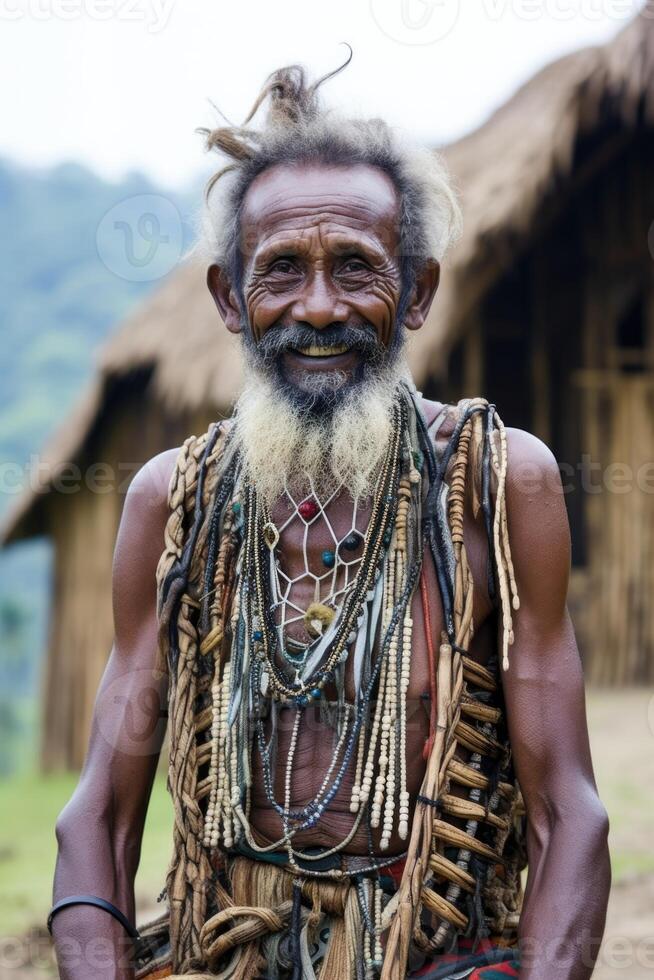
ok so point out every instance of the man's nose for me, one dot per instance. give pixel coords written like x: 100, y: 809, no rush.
x: 319, y: 304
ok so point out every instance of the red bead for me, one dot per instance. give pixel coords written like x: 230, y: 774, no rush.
x: 308, y: 509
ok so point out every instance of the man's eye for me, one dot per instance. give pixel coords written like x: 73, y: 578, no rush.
x: 283, y: 266
x: 354, y: 265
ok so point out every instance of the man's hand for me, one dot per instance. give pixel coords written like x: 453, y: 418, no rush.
x: 99, y: 831
x: 569, y: 873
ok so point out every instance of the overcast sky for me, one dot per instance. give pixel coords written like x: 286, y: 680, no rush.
x: 121, y: 84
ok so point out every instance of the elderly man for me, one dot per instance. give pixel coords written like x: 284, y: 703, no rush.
x: 360, y: 669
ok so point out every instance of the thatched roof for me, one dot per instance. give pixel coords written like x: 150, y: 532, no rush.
x: 506, y: 170
x: 509, y: 168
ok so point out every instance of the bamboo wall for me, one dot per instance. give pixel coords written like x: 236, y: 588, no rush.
x: 620, y: 574
x: 564, y: 345
x: 616, y: 402
x: 83, y: 526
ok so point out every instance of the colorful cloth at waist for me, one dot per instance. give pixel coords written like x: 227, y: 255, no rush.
x: 487, y: 962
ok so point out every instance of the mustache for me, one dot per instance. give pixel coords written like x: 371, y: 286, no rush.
x: 279, y: 340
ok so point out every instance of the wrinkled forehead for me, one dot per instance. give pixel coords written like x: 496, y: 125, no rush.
x: 350, y: 201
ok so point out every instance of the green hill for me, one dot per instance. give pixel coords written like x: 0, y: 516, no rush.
x: 76, y: 254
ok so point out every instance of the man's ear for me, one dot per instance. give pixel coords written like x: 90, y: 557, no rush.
x: 423, y: 294
x: 225, y: 298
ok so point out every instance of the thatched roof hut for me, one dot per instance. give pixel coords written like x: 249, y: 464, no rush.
x: 550, y: 167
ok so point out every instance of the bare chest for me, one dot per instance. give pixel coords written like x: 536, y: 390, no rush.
x: 315, y: 560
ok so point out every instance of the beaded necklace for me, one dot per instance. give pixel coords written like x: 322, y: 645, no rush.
x: 339, y: 561
x: 374, y: 611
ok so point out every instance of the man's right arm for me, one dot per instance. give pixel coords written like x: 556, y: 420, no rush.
x: 99, y: 831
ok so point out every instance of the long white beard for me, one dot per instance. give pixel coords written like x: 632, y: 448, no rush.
x: 283, y: 447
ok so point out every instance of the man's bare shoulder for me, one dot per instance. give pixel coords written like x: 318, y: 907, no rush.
x: 532, y: 467
x: 537, y: 515
x: 149, y: 488
x: 146, y: 509
x: 527, y: 453
x: 155, y: 475
x: 533, y: 482
x: 140, y: 543
x: 147, y: 496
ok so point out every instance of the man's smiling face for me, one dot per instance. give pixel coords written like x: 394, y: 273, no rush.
x: 321, y: 281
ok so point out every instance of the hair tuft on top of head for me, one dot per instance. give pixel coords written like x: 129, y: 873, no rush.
x: 291, y: 102
x: 291, y: 99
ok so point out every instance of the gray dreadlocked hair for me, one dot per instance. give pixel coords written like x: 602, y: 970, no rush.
x: 298, y: 130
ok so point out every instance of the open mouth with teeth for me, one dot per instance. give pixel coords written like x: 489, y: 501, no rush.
x: 315, y: 351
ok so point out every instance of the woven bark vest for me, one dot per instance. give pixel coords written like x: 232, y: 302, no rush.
x: 465, y: 852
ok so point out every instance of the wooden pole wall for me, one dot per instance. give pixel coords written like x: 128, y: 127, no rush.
x: 83, y: 528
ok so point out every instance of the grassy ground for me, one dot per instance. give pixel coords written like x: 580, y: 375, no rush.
x: 622, y: 735
x: 29, y: 806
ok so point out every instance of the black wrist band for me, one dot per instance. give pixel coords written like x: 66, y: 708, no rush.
x: 100, y: 903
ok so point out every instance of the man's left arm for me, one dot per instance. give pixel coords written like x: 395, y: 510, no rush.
x: 569, y: 871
